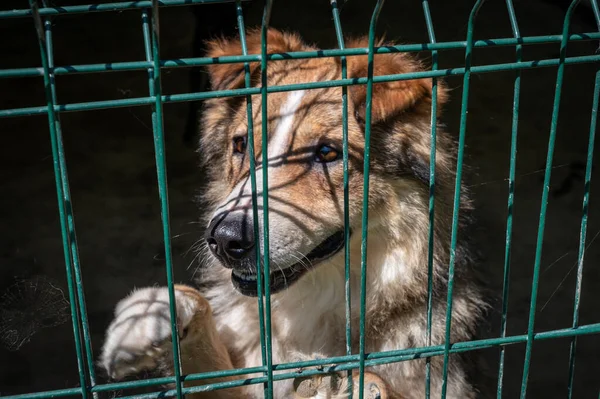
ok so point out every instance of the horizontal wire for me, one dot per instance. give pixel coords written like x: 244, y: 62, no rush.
x: 332, y: 364
x: 173, y: 98
x: 298, y: 55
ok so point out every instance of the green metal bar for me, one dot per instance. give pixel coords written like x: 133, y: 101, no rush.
x: 365, y: 210
x: 59, y: 175
x: 583, y: 231
x: 511, y: 192
x: 268, y: 392
x: 154, y: 84
x: 117, y: 6
x: 406, y: 354
x: 361, y: 360
x: 596, y: 12
x: 545, y: 191
x: 427, y: 351
x: 457, y: 187
x: 59, y: 393
x: 329, y: 368
x: 421, y: 352
x: 471, y: 345
x: 349, y: 362
x: 347, y: 292
x: 199, y: 61
x: 173, y: 98
x: 81, y: 305
x: 249, y: 116
x: 434, y: 98
x: 170, y: 380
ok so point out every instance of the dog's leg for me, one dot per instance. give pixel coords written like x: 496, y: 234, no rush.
x: 139, y: 338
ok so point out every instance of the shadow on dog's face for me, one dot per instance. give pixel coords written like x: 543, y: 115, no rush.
x: 303, y: 168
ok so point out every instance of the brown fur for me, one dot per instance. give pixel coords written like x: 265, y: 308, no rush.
x: 400, y: 151
x: 306, y: 206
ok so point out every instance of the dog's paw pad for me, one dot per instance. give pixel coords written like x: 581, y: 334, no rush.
x: 318, y: 386
x: 305, y: 387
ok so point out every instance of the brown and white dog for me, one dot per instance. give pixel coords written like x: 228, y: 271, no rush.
x: 219, y: 323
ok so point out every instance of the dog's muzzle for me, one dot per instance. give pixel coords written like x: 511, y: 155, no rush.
x: 231, y: 239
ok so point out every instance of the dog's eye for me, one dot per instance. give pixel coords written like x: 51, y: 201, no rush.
x: 239, y: 144
x: 326, y: 153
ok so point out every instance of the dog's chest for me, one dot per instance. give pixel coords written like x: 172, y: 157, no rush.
x: 303, y: 326
x: 305, y: 334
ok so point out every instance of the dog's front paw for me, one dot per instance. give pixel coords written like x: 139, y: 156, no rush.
x: 139, y: 337
x: 336, y: 384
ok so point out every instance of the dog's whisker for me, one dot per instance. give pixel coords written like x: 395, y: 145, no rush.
x: 282, y: 273
x: 182, y: 234
x: 302, y: 260
x: 196, y: 247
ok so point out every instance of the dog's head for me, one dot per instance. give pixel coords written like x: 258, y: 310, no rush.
x: 305, y: 164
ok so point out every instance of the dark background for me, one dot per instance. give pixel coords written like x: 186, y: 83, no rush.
x: 111, y: 168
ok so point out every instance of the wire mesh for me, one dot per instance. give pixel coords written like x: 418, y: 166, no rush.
x: 269, y: 372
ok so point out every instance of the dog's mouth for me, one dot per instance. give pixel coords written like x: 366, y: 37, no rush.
x: 247, y: 283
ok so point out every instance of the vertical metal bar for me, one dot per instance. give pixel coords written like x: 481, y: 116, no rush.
x: 59, y: 163
x: 583, y: 231
x: 434, y: 96
x: 511, y: 192
x: 365, y: 215
x: 265, y: 164
x: 459, y: 166
x: 545, y: 191
x: 69, y: 211
x: 249, y: 115
x: 340, y: 39
x: 596, y: 12
x: 161, y: 171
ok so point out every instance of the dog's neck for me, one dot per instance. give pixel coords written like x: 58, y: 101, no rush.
x: 316, y: 304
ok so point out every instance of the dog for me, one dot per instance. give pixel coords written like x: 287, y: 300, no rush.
x: 219, y: 321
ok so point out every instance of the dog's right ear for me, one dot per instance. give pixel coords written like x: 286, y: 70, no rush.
x: 231, y: 76
x: 390, y: 99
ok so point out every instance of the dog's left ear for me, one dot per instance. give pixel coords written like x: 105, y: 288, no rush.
x: 231, y: 76
x: 390, y: 99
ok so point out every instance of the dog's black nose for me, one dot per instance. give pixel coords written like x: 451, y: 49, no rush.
x: 231, y: 238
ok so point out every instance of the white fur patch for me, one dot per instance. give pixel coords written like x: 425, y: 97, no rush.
x: 393, y: 268
x: 241, y: 195
x: 281, y: 138
x: 141, y: 330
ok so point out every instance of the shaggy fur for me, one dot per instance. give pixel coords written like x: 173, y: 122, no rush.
x: 306, y: 207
